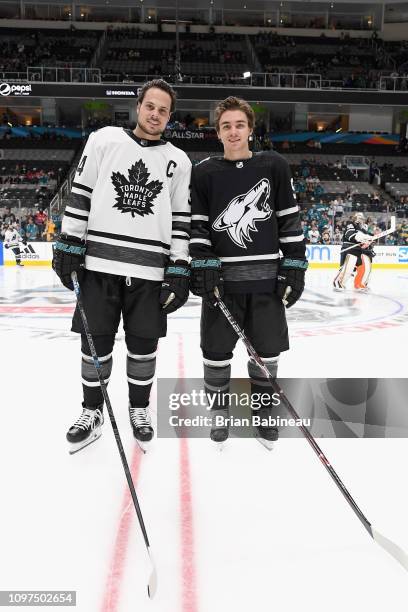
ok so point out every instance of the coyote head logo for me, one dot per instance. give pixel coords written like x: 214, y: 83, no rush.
x: 241, y: 213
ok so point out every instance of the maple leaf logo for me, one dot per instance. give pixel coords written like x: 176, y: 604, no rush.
x: 135, y: 195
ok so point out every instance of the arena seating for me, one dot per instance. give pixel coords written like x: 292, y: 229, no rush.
x: 134, y: 52
x: 20, y: 49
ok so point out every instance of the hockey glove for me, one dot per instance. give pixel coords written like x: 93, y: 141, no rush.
x: 68, y: 257
x: 206, y: 275
x: 175, y: 286
x: 291, y: 280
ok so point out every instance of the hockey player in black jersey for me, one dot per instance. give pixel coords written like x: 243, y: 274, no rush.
x: 358, y: 256
x: 125, y: 231
x: 244, y: 217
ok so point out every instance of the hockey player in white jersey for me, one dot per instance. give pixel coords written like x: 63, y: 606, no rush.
x: 13, y: 240
x: 243, y: 215
x: 126, y: 232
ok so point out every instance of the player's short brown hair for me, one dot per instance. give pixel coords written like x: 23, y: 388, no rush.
x: 159, y: 84
x: 233, y: 103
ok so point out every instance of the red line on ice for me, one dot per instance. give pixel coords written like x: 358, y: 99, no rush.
x: 12, y: 309
x: 188, y: 587
x: 112, y: 588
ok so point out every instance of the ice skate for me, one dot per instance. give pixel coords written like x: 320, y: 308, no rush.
x: 337, y: 286
x: 141, y: 426
x: 265, y: 433
x: 220, y: 431
x: 361, y: 288
x: 87, y: 429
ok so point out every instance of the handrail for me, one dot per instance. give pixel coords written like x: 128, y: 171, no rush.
x: 281, y: 80
x: 56, y: 74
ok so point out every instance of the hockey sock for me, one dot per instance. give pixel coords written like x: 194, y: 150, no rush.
x: 141, y: 366
x: 260, y: 386
x: 93, y: 397
x: 217, y: 374
x: 358, y: 279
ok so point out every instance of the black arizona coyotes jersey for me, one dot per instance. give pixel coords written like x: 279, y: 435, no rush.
x: 244, y: 212
x: 130, y: 200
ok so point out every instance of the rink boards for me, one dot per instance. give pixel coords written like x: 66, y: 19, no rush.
x: 318, y: 255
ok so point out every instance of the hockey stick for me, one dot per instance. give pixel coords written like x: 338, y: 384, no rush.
x: 393, y: 549
x: 152, y: 584
x: 390, y: 230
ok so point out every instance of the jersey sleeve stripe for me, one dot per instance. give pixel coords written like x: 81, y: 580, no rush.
x: 83, y: 214
x: 292, y: 238
x: 200, y: 218
x: 79, y: 201
x: 287, y: 211
x: 67, y: 213
x: 185, y: 220
x: 180, y: 214
x: 182, y: 232
x: 179, y: 237
x: 182, y: 227
x: 82, y: 187
x: 200, y: 241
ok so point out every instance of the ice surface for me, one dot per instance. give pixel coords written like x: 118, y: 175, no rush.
x: 244, y: 529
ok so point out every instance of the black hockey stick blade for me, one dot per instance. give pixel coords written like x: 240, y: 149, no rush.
x: 393, y: 549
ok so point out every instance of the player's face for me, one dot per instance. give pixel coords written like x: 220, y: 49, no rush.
x: 234, y: 133
x: 153, y: 114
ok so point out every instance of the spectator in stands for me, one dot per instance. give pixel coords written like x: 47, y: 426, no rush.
x: 339, y: 207
x: 31, y: 230
x: 313, y: 234
x: 326, y: 237
x: 40, y: 219
x: 50, y: 229
x: 403, y: 233
x: 338, y: 235
x: 8, y: 216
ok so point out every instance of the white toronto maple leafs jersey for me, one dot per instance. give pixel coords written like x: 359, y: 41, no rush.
x: 130, y: 201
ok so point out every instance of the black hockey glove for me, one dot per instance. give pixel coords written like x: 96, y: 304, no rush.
x: 175, y: 286
x: 291, y: 280
x: 206, y: 274
x: 69, y: 256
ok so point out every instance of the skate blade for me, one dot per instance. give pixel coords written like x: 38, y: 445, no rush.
x: 268, y: 444
x: 74, y: 447
x: 143, y: 445
x: 218, y: 446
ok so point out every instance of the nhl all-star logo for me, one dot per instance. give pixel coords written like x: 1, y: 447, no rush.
x: 136, y: 194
